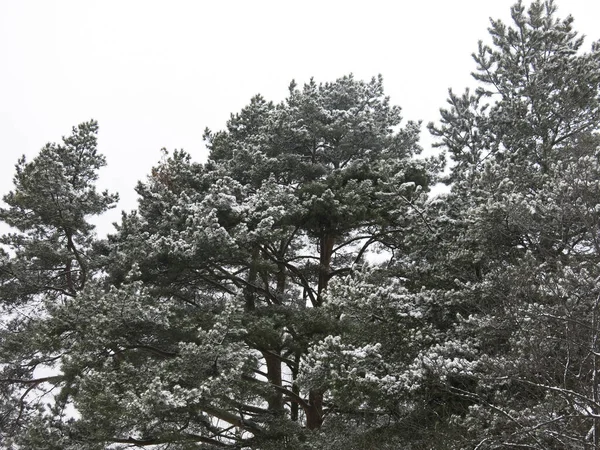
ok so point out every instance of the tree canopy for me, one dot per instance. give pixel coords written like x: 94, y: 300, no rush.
x: 303, y: 289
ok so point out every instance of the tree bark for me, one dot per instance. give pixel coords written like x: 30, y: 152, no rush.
x: 294, y: 407
x: 314, y: 410
x: 250, y: 290
x: 326, y: 251
x: 275, y: 398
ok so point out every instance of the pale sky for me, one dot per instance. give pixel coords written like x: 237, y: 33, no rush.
x: 156, y: 73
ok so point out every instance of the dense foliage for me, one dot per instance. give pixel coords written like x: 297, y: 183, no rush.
x: 301, y: 289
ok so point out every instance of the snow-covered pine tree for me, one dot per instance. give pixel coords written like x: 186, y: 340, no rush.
x: 46, y: 261
x: 233, y: 308
x: 293, y: 196
x: 524, y: 231
x: 192, y: 326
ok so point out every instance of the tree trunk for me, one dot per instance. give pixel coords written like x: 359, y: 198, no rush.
x: 294, y: 407
x: 250, y: 290
x: 275, y: 397
x: 326, y: 251
x: 314, y: 410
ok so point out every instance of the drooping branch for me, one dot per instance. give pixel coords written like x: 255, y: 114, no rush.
x: 232, y: 419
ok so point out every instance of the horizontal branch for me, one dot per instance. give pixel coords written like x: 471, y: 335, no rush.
x: 169, y: 440
x: 52, y: 379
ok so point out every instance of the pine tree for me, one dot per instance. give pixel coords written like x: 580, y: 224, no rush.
x: 240, y: 307
x: 525, y: 235
x: 196, y: 326
x: 46, y: 262
x: 292, y: 197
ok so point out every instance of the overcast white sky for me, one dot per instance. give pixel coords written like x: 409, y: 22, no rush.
x: 156, y: 73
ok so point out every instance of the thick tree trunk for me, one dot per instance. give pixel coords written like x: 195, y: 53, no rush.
x: 326, y: 251
x: 250, y: 290
x: 275, y: 398
x: 294, y: 407
x: 281, y: 279
x: 314, y: 411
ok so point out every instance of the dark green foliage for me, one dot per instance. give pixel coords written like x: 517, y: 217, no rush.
x: 237, y: 307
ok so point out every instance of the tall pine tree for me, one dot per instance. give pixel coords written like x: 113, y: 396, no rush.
x: 524, y: 230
